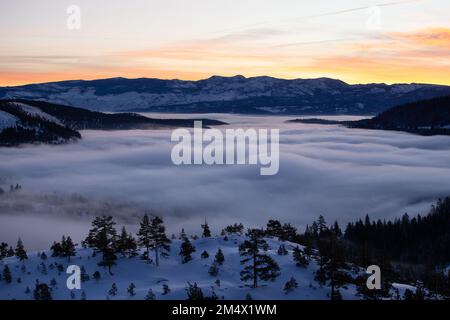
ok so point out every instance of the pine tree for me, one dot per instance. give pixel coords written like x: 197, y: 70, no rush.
x: 299, y: 257
x: 194, y: 292
x: 130, y: 289
x: 165, y: 289
x: 282, y: 250
x: 288, y: 233
x: 102, y: 237
x: 11, y: 252
x: 83, y: 274
x: 308, y: 250
x: 258, y: 265
x: 97, y: 276
x: 144, y: 237
x: 53, y: 283
x: 126, y: 244
x: 83, y: 295
x: 108, y: 259
x: 68, y: 249
x: 236, y: 228
x: 219, y: 258
x: 113, y: 290
x: 150, y: 295
x: 336, y: 230
x: 42, y: 292
x: 213, y: 270
x: 6, y: 275
x: 43, y: 268
x: 3, y: 250
x: 321, y: 225
x: 274, y: 228
x: 56, y: 249
x: 186, y: 250
x: 290, y: 285
x: 206, y: 231
x: 20, y: 252
x: 159, y: 241
x: 204, y: 255
x: 331, y: 263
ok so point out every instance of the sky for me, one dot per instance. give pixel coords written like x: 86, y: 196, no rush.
x: 357, y: 41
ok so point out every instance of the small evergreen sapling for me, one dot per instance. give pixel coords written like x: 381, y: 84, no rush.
x: 113, y: 290
x: 186, y: 250
x: 20, y: 251
x: 219, y: 258
x: 165, y: 289
x: 130, y: 289
x: 194, y: 292
x: 299, y: 258
x: 282, y: 250
x: 290, y: 285
x: 206, y: 231
x: 150, y: 295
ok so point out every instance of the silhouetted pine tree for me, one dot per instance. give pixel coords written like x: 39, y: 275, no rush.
x: 206, y: 231
x: 20, y: 251
x: 219, y: 258
x: 194, y: 292
x: 299, y: 258
x: 102, y: 237
x: 159, y: 241
x: 274, y: 228
x: 258, y: 265
x: 331, y: 263
x: 6, y: 274
x: 186, y: 250
x: 290, y: 285
x: 144, y: 237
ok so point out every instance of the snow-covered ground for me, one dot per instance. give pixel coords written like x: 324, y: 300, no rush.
x: 37, y: 113
x: 7, y: 120
x: 171, y: 272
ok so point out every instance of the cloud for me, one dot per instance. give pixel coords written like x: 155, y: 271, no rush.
x: 340, y: 173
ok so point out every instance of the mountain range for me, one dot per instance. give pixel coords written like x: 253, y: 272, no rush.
x: 237, y: 94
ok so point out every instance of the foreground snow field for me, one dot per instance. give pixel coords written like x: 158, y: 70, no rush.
x: 171, y: 272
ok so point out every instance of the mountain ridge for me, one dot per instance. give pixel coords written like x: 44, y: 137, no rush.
x: 236, y: 94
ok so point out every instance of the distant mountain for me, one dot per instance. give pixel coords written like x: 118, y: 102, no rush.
x: 25, y: 121
x: 425, y: 117
x: 228, y: 95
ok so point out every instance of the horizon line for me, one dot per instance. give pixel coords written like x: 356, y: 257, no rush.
x: 219, y: 76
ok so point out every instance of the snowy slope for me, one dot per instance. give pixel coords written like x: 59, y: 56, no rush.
x: 172, y: 272
x: 7, y: 120
x: 35, y: 112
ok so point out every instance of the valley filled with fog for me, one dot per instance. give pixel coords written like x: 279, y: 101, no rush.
x: 340, y: 173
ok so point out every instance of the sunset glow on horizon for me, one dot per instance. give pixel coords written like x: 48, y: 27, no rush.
x: 356, y: 41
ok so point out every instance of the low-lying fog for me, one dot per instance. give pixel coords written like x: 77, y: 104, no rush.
x: 338, y: 172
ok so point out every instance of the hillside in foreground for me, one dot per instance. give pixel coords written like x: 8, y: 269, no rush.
x: 173, y: 273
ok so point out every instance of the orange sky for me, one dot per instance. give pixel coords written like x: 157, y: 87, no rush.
x: 339, y: 45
